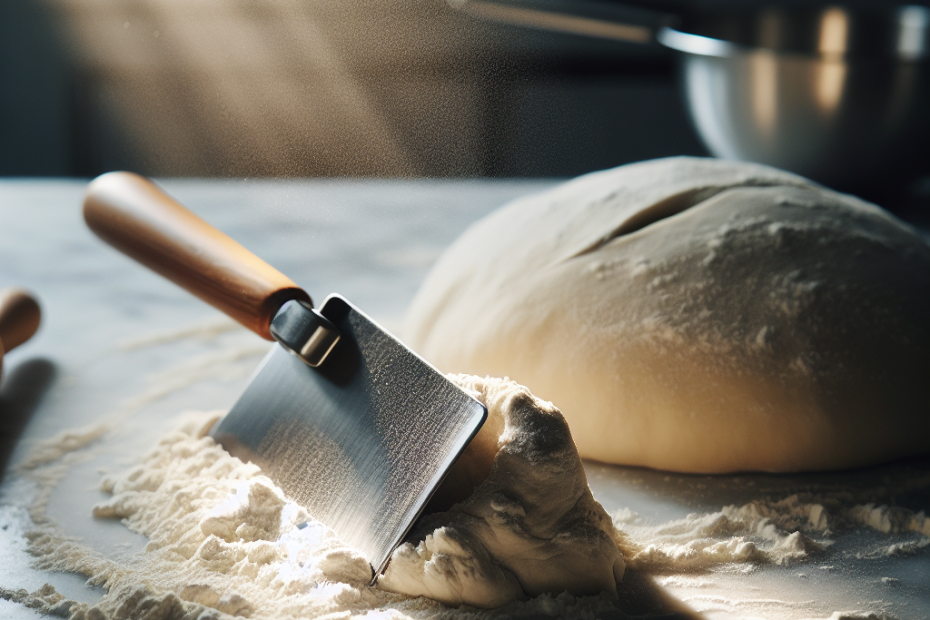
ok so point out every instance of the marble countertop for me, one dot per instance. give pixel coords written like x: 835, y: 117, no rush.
x: 122, y: 350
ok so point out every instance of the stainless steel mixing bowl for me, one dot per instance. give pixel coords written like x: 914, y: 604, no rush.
x: 836, y: 94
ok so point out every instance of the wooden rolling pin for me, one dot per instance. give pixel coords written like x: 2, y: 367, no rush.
x: 19, y: 319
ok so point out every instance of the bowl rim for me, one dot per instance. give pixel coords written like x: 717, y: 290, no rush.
x: 904, y: 34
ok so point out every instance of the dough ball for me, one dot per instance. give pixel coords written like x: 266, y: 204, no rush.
x: 696, y: 315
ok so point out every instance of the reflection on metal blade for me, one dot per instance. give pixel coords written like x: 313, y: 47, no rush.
x: 362, y: 441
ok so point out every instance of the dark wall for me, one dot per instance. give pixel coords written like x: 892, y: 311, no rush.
x: 35, y: 127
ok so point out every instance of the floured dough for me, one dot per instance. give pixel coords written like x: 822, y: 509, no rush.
x: 696, y: 315
x: 530, y: 527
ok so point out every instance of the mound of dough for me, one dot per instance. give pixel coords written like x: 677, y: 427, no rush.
x: 530, y: 527
x: 696, y: 315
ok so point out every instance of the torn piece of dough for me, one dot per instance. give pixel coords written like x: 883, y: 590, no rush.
x: 531, y: 527
x: 696, y: 315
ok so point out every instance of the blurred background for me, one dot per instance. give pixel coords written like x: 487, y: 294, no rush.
x: 308, y: 88
x: 321, y: 88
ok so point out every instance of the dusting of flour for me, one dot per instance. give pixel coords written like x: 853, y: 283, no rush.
x: 696, y: 315
x: 225, y: 541
x: 529, y: 541
x: 783, y: 532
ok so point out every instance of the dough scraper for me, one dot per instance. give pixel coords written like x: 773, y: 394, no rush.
x: 350, y: 423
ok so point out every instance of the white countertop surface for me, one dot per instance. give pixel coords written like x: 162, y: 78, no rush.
x: 120, y: 346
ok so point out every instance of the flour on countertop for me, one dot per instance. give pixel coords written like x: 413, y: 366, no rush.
x: 783, y: 532
x: 60, y: 444
x: 225, y: 542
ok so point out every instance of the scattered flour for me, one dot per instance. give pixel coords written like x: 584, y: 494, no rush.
x: 223, y: 540
x: 756, y: 533
x: 65, y: 442
x: 782, y: 532
x: 529, y: 541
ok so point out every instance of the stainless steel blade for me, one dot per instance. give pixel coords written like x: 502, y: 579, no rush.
x: 361, y: 441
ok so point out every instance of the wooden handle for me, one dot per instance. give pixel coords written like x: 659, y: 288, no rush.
x: 133, y: 215
x: 19, y: 318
